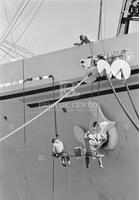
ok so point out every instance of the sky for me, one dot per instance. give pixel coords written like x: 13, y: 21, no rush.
x: 58, y: 23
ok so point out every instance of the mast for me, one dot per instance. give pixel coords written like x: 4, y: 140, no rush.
x: 13, y: 21
x: 100, y: 20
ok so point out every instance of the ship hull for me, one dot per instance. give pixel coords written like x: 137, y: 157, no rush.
x: 26, y: 163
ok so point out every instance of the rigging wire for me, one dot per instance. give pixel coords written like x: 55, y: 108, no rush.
x: 100, y: 21
x: 27, y: 25
x: 121, y: 104
x: 7, y: 53
x: 14, y: 20
x: 44, y: 111
x: 30, y: 20
x: 23, y: 18
x: 28, y: 39
x: 104, y: 32
x: 8, y: 21
x: 19, y: 47
x: 14, y: 51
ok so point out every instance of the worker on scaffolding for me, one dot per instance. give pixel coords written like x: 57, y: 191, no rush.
x: 94, y: 138
x: 96, y: 131
x: 58, y: 151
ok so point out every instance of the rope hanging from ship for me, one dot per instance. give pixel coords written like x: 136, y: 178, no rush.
x: 54, y: 107
x: 130, y: 97
x: 107, y: 76
x: 56, y: 136
x: 103, y: 68
x: 44, y: 111
x: 111, y: 71
x: 122, y: 105
x: 133, y: 10
x: 124, y: 80
x: 98, y: 86
x: 121, y: 70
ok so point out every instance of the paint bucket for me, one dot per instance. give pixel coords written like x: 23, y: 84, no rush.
x: 78, y: 151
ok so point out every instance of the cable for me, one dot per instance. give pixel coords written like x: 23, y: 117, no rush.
x: 19, y: 47
x: 128, y: 91
x: 92, y: 83
x: 14, y: 51
x: 12, y: 23
x: 24, y: 109
x: 8, y: 21
x: 28, y: 187
x: 104, y: 32
x: 30, y: 21
x: 98, y: 37
x: 44, y: 111
x: 121, y: 104
x: 7, y: 53
x: 14, y: 20
x: 98, y: 100
x: 100, y: 21
x: 53, y: 80
x: 23, y: 18
x: 28, y: 39
x: 27, y: 25
x: 26, y: 179
x: 53, y: 179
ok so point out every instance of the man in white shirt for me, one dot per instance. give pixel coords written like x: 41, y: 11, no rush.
x: 58, y: 151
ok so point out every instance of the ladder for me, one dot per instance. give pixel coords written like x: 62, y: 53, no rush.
x: 129, y: 12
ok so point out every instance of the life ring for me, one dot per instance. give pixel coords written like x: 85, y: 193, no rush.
x: 112, y: 139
